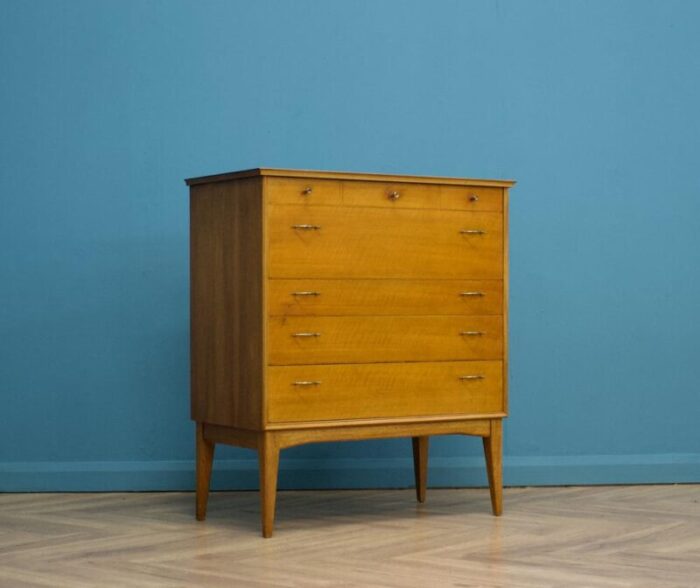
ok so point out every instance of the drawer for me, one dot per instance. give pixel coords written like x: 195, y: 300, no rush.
x: 391, y: 195
x: 471, y: 198
x: 331, y: 242
x: 302, y: 191
x: 328, y: 392
x: 369, y: 339
x: 303, y: 297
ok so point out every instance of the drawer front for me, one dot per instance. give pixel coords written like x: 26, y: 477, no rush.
x: 471, y: 198
x: 329, y: 392
x: 369, y: 339
x: 307, y: 192
x: 396, y: 195
x: 305, y: 297
x: 330, y: 242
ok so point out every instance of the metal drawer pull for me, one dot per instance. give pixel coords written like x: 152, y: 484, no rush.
x: 306, y: 191
x: 472, y: 377
x: 307, y: 383
x: 306, y: 334
x: 306, y: 227
x: 306, y: 293
x: 472, y: 232
x: 394, y: 195
x: 473, y: 198
x: 471, y: 294
x: 472, y: 333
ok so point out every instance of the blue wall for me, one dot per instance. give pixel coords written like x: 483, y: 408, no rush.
x: 106, y: 106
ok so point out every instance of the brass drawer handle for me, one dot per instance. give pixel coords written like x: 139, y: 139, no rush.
x: 472, y: 333
x: 471, y: 377
x: 306, y: 293
x: 472, y: 232
x: 306, y: 383
x: 306, y: 227
x: 306, y: 334
x: 475, y: 293
x: 473, y: 198
x: 307, y: 191
x: 394, y: 195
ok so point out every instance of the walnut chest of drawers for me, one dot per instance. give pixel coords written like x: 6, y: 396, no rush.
x: 333, y: 306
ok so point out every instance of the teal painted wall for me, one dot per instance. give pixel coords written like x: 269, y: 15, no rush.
x: 106, y: 106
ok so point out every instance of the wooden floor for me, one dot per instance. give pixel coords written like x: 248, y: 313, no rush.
x: 565, y: 537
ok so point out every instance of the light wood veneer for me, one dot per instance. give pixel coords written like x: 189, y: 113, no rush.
x: 368, y: 339
x: 384, y: 390
x: 338, y: 306
x: 324, y: 297
x: 356, y: 242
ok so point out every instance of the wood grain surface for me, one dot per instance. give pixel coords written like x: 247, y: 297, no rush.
x: 303, y: 191
x: 357, y: 391
x: 309, y: 296
x: 383, y: 243
x: 227, y: 328
x: 372, y: 339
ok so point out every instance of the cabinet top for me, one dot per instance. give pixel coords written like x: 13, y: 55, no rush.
x: 334, y: 175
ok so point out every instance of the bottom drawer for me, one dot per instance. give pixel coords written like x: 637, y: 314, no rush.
x: 384, y: 390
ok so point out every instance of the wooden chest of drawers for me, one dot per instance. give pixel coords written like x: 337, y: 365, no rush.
x: 335, y: 306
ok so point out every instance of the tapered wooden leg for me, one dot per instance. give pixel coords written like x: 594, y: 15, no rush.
x: 493, y: 451
x: 420, y: 465
x: 268, y: 459
x: 205, y: 458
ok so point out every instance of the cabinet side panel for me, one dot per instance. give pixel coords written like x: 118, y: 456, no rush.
x: 506, y: 264
x: 226, y: 302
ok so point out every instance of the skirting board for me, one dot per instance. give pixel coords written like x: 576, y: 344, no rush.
x: 443, y: 472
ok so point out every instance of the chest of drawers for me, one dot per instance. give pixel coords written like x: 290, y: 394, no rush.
x: 336, y: 306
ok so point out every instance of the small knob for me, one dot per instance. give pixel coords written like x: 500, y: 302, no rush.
x: 473, y: 198
x: 306, y: 191
x: 394, y: 195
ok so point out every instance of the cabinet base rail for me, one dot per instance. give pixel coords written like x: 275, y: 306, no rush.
x: 268, y: 444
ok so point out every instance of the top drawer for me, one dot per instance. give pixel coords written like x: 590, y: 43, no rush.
x: 396, y: 195
x: 302, y: 191
x: 391, y: 195
x: 475, y: 198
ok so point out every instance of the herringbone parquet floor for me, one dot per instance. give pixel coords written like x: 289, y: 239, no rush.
x: 643, y: 536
